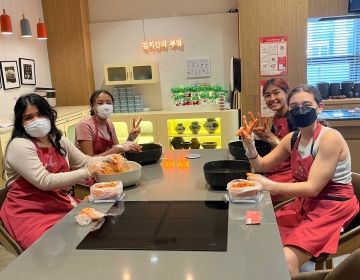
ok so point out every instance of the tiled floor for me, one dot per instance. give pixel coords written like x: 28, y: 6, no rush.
x: 5, y: 257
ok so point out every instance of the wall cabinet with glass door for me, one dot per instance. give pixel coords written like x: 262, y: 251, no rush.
x: 124, y: 74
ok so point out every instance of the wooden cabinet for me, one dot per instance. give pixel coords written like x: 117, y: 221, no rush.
x: 124, y: 74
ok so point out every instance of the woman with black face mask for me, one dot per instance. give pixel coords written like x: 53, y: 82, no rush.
x: 321, y: 165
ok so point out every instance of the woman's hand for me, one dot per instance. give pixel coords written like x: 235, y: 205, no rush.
x: 93, y: 168
x: 135, y: 130
x: 262, y: 132
x: 127, y: 146
x: 132, y: 146
x: 247, y: 129
x: 265, y: 183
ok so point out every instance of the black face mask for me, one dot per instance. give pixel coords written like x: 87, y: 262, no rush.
x: 303, y: 116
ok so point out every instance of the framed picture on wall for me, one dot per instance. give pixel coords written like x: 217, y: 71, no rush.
x: 10, y: 74
x: 27, y: 71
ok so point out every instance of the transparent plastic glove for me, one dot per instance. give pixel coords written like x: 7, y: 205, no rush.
x: 247, y: 136
x: 93, y: 168
x: 264, y: 182
x: 114, y: 158
x: 132, y: 146
x: 267, y: 136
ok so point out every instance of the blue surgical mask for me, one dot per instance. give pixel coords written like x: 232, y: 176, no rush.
x: 39, y: 127
x: 303, y: 116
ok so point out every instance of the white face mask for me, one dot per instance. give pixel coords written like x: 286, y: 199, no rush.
x: 40, y: 127
x: 104, y: 110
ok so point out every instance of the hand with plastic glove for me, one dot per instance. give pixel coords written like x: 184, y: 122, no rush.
x: 94, y: 168
x: 263, y: 133
x: 132, y: 146
x: 247, y: 136
x: 265, y: 183
x: 135, y: 130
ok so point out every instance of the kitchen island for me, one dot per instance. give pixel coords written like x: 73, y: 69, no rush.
x: 253, y: 251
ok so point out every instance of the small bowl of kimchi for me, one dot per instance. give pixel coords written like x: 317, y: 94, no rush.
x: 240, y: 188
x: 129, y: 174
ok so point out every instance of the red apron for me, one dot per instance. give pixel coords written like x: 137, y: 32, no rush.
x: 282, y: 172
x: 314, y: 224
x: 101, y: 145
x: 27, y: 211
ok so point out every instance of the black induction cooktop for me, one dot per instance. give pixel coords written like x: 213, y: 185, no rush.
x: 162, y: 225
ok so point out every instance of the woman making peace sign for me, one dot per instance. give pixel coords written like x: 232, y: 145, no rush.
x: 96, y: 135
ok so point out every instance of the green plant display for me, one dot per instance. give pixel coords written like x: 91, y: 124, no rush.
x: 196, y: 94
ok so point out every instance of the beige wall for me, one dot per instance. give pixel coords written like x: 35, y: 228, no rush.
x: 327, y: 8
x: 214, y: 36
x: 12, y: 47
x: 261, y: 18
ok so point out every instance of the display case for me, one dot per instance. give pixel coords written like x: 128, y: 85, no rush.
x: 208, y: 128
x: 193, y: 132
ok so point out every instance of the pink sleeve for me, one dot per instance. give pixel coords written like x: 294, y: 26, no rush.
x: 85, y: 131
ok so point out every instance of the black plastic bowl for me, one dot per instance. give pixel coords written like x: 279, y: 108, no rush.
x: 150, y: 153
x: 219, y: 173
x: 237, y: 150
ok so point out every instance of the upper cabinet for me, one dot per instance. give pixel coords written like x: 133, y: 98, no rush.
x: 124, y: 74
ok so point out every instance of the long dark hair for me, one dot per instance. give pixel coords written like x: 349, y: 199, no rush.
x: 95, y: 95
x: 45, y: 110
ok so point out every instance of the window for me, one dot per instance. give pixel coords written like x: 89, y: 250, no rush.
x: 333, y: 50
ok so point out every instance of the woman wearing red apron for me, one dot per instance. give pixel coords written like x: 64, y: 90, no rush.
x: 96, y: 135
x: 275, y: 92
x: 37, y: 162
x: 321, y: 164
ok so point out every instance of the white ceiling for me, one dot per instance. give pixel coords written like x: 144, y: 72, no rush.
x: 117, y: 10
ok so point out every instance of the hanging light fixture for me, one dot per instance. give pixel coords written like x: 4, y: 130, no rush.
x: 41, y: 30
x: 5, y: 21
x: 25, y: 27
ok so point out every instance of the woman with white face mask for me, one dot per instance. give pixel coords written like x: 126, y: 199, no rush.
x: 41, y: 165
x: 96, y: 135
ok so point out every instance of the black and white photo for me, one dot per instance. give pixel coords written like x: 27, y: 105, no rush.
x: 10, y: 74
x: 27, y: 71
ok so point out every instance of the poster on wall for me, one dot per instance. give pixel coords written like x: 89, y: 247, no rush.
x: 273, y: 56
x: 10, y: 74
x: 27, y: 71
x: 264, y: 110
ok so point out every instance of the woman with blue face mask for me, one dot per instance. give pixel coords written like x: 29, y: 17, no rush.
x: 321, y: 165
x: 41, y: 165
x: 96, y: 135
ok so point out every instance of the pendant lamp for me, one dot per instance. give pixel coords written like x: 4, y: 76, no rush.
x: 5, y: 21
x: 25, y: 27
x: 41, y: 30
